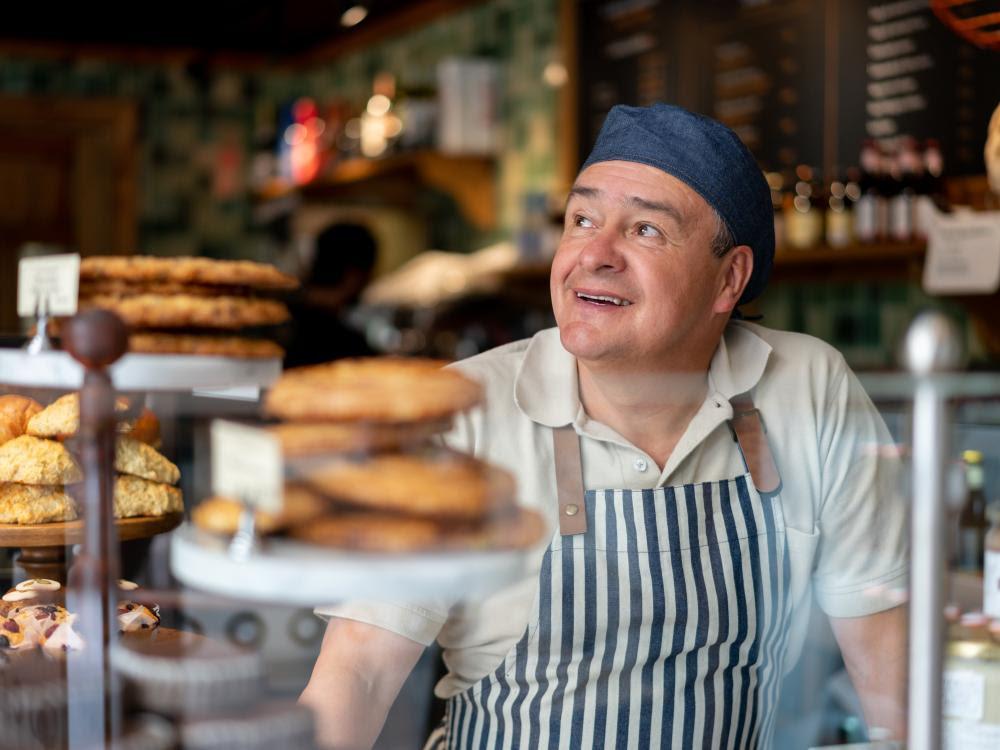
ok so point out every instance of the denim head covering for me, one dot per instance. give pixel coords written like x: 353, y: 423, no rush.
x: 707, y: 156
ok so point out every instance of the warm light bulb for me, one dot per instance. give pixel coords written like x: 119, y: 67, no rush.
x: 353, y: 16
x: 378, y: 105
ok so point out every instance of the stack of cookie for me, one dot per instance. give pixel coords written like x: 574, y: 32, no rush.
x: 36, y: 466
x: 189, y: 305
x: 358, y: 435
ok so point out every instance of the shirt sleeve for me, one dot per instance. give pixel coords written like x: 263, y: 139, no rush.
x: 862, y: 565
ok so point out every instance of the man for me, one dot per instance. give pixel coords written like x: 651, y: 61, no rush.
x: 702, y: 474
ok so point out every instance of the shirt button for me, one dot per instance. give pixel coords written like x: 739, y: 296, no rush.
x: 640, y: 464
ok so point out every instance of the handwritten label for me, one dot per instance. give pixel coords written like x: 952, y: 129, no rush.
x: 963, y: 254
x: 964, y: 694
x: 48, y: 283
x: 246, y: 465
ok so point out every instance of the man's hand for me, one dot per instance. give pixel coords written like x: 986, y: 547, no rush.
x: 357, y: 676
x: 874, y: 650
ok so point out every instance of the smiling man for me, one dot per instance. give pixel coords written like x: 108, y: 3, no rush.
x: 704, y: 478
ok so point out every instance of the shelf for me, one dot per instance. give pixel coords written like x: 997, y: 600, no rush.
x: 470, y: 180
x: 851, y: 263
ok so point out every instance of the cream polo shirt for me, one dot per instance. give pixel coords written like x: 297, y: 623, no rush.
x: 841, y: 494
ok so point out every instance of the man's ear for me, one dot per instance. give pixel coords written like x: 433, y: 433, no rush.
x: 737, y: 268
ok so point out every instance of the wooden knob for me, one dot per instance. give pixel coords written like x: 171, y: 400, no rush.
x: 95, y: 338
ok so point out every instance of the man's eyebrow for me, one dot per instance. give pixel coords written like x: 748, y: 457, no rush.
x: 664, y: 208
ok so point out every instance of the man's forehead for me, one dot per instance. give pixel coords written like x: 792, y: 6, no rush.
x: 640, y: 186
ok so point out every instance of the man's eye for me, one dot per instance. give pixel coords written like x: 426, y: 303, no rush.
x: 582, y: 221
x: 647, y: 230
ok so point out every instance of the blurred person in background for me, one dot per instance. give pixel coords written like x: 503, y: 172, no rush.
x: 341, y: 268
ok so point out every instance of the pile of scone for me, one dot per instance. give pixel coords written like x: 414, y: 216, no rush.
x: 38, y: 471
x: 189, y: 305
x: 33, y: 615
x: 366, y: 470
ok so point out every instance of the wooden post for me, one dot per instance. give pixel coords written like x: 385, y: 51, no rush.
x: 96, y: 338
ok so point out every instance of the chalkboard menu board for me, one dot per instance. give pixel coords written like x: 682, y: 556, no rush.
x: 802, y: 81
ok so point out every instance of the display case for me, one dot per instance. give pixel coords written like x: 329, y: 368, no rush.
x: 227, y: 588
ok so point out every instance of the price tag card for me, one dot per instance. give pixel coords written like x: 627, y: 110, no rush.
x: 963, y: 254
x: 246, y: 465
x: 49, y: 283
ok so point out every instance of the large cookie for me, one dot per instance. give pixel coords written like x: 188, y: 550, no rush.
x: 385, y: 389
x: 15, y: 411
x: 221, y: 346
x: 185, y: 270
x: 61, y: 418
x: 302, y: 439
x: 140, y: 497
x: 32, y: 503
x: 32, y: 460
x: 446, y: 485
x: 137, y: 459
x: 221, y: 515
x: 186, y: 310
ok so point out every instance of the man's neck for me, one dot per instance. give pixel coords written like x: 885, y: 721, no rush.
x: 650, y: 409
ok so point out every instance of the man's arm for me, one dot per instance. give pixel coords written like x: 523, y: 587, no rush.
x: 874, y: 650
x: 357, y: 676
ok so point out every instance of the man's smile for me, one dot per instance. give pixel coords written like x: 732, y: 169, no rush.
x: 601, y: 298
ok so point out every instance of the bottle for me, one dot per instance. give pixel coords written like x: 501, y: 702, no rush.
x: 890, y: 179
x: 991, y: 567
x: 866, y: 211
x: 908, y: 167
x: 972, y: 523
x: 803, y: 217
x: 839, y: 216
x: 931, y: 198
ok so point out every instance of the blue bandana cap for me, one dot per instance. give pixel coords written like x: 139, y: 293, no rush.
x: 707, y: 156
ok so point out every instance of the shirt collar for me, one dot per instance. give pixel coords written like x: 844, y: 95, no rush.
x: 546, y: 388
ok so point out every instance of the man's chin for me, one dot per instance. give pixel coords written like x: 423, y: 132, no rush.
x: 587, y: 343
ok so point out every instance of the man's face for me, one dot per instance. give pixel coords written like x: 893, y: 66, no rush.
x: 634, y: 279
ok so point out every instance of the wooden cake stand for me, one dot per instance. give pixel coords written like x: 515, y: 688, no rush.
x: 43, y: 546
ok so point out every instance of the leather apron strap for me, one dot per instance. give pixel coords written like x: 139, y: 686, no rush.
x: 748, y: 432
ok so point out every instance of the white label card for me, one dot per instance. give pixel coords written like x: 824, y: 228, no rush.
x: 964, y: 694
x: 246, y: 465
x: 48, y: 283
x: 963, y: 254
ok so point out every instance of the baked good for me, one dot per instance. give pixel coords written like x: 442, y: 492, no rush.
x: 221, y: 515
x: 148, y: 342
x: 34, y: 503
x: 135, y: 496
x: 185, y: 270
x: 123, y: 288
x: 444, y: 485
x: 145, y: 427
x: 34, y: 591
x: 388, y: 389
x: 15, y: 411
x: 49, y: 626
x: 301, y: 439
x: 32, y: 460
x: 138, y: 459
x: 134, y: 617
x: 397, y: 533
x: 61, y: 418
x: 188, y: 310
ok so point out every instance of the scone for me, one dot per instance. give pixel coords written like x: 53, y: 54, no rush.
x: 188, y: 310
x: 388, y: 389
x: 29, y: 504
x: 15, y: 411
x: 32, y: 460
x: 445, y: 485
x: 139, y: 269
x: 221, y: 515
x: 135, y: 496
x: 302, y: 439
x: 61, y: 418
x: 137, y: 459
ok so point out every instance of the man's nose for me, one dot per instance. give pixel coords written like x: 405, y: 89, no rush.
x: 602, y: 253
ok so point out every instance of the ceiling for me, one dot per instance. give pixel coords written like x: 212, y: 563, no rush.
x: 266, y: 30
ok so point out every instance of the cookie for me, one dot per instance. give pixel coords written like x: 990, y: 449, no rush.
x: 35, y: 591
x: 304, y: 439
x: 137, y: 459
x: 391, y: 533
x: 185, y: 270
x: 29, y: 504
x: 122, y: 288
x: 446, y: 485
x: 32, y: 460
x: 385, y: 389
x: 135, y: 496
x: 220, y: 346
x: 15, y: 411
x: 186, y: 310
x: 221, y: 515
x: 61, y: 418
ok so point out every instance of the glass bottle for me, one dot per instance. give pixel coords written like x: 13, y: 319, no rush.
x: 839, y: 216
x: 803, y: 219
x: 866, y: 211
x: 972, y: 524
x: 991, y: 566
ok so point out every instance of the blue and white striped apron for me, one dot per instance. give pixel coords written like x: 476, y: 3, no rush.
x: 663, y: 625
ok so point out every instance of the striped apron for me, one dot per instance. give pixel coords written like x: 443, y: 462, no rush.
x: 660, y: 618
